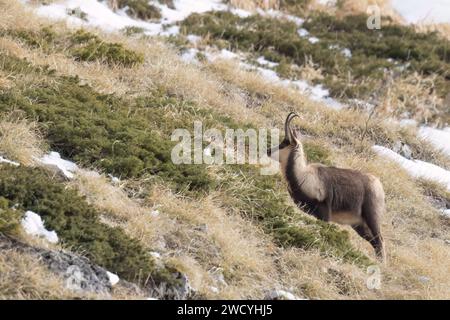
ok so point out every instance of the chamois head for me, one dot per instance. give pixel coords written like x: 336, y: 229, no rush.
x: 290, y: 142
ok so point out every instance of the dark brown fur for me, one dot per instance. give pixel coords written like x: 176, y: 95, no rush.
x: 337, y: 194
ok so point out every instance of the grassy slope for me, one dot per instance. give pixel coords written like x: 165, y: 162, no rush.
x: 254, y: 234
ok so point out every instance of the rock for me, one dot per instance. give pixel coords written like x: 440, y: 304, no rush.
x: 203, y: 227
x: 78, y: 272
x: 424, y: 279
x: 403, y: 149
x: 178, y: 289
x: 280, y: 295
x: 217, y: 275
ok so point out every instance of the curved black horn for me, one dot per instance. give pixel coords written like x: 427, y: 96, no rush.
x: 287, y: 130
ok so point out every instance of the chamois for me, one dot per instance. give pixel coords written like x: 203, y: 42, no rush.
x: 332, y: 194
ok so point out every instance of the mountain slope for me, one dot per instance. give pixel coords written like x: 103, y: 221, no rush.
x: 110, y: 101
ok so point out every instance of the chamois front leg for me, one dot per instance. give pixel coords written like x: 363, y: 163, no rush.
x: 323, y: 212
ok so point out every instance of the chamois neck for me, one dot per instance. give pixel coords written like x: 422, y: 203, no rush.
x: 299, y: 157
x: 296, y: 163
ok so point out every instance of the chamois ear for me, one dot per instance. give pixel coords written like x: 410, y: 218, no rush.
x: 295, y: 136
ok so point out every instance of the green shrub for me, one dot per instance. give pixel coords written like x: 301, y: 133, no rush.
x: 89, y: 47
x: 76, y: 222
x: 130, y: 31
x: 131, y: 139
x: 9, y: 218
x: 82, y: 45
x: 373, y: 51
x: 316, y: 152
x: 103, y: 131
x: 42, y: 38
x: 141, y: 9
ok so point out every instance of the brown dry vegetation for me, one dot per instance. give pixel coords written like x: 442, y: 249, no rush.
x: 202, y: 236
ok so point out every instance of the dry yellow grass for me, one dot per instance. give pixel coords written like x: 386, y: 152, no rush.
x: 202, y: 236
x: 414, y: 96
x: 20, y: 139
x: 254, y: 4
x: 22, y: 277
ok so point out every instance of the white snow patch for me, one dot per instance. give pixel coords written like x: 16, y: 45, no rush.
x: 98, y: 14
x: 184, y: 8
x: 327, y: 2
x: 33, y: 225
x: 438, y: 138
x: 346, y: 52
x: 313, y: 40
x: 417, y: 168
x: 408, y: 123
x: 446, y: 213
x: 114, y: 179
x: 281, y: 295
x: 68, y: 168
x: 4, y: 160
x: 155, y: 213
x: 155, y: 255
x: 302, y: 32
x: 420, y: 11
x: 192, y: 38
x: 263, y: 61
x: 170, y: 31
x: 241, y: 13
x: 222, y: 54
x: 113, y: 278
x: 190, y: 55
x: 280, y: 15
x: 316, y: 92
x: 214, y: 289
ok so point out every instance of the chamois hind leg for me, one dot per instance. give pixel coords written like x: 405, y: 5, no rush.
x: 363, y: 231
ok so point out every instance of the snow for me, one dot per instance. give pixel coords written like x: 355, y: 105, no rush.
x: 417, y: 168
x: 315, y: 92
x: 420, y: 11
x: 154, y: 213
x: 440, y: 139
x: 408, y: 123
x: 190, y: 55
x: 346, y: 52
x: 280, y: 15
x: 446, y: 213
x: 241, y: 13
x: 114, y: 179
x: 261, y: 60
x: 302, y: 32
x: 281, y: 295
x: 98, y: 14
x: 214, y: 289
x: 33, y: 225
x: 184, y: 8
x: 113, y: 278
x: 313, y: 40
x: 192, y: 38
x: 4, y: 160
x: 68, y: 168
x: 155, y: 255
x: 327, y: 2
